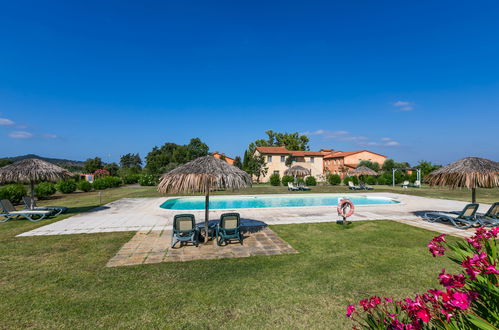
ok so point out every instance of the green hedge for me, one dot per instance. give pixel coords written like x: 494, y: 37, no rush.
x: 130, y: 178
x: 44, y: 190
x: 354, y: 179
x: 66, y: 186
x: 287, y: 178
x: 275, y: 180
x: 13, y: 192
x: 310, y: 181
x: 84, y: 186
x: 334, y: 179
x: 106, y: 182
x: 148, y: 180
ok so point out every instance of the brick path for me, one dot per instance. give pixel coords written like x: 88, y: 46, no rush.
x: 148, y: 247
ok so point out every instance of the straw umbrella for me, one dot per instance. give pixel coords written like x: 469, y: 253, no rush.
x: 31, y: 171
x: 363, y: 170
x: 470, y: 172
x: 204, y: 174
x: 297, y: 171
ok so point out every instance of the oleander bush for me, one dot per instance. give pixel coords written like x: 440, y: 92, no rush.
x: 334, y: 179
x: 468, y: 300
x: 148, y: 180
x: 13, y: 192
x: 84, y: 186
x: 44, y: 190
x: 370, y: 179
x: 286, y: 179
x: 275, y: 180
x: 66, y: 186
x: 310, y: 181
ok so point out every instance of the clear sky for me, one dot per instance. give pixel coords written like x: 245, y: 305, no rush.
x: 410, y: 79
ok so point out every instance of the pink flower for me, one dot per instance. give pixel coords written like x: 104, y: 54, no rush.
x: 439, y: 238
x: 424, y: 315
x: 451, y: 281
x: 460, y: 300
x: 436, y: 249
x: 350, y: 310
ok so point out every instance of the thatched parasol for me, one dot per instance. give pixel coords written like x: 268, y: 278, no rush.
x: 31, y: 171
x: 363, y: 170
x: 204, y: 174
x: 470, y: 172
x: 297, y: 170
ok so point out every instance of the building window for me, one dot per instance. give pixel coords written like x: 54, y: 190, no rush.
x: 269, y: 159
x: 276, y: 172
x: 311, y: 159
x: 283, y: 159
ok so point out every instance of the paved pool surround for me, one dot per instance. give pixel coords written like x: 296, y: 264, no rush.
x: 135, y: 214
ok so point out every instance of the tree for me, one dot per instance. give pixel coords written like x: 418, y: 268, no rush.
x: 237, y: 162
x: 112, y: 168
x: 131, y: 161
x: 158, y: 160
x: 426, y: 167
x: 5, y: 162
x: 289, y: 161
x: 256, y: 166
x: 92, y: 164
x: 390, y: 164
x: 292, y: 141
x: 372, y: 165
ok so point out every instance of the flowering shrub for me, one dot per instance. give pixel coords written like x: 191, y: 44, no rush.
x: 468, y: 300
x: 100, y: 173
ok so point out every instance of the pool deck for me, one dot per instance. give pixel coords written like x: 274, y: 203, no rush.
x: 144, y: 214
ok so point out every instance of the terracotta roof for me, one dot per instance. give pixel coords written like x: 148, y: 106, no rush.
x: 218, y: 155
x: 283, y: 150
x: 272, y: 150
x: 337, y: 154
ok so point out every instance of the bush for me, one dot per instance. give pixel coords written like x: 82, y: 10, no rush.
x: 354, y: 179
x: 148, y: 180
x: 84, y: 186
x: 287, y: 178
x: 370, y: 180
x: 130, y: 178
x: 381, y: 180
x: 45, y: 190
x: 310, y: 181
x: 66, y: 186
x: 13, y: 192
x: 106, y: 182
x: 334, y: 179
x: 275, y: 179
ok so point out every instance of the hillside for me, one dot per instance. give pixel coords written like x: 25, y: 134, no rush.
x: 58, y: 161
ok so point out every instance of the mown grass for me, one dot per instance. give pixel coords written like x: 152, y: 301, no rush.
x: 62, y: 281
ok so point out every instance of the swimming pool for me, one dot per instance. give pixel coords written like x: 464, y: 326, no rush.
x: 265, y: 201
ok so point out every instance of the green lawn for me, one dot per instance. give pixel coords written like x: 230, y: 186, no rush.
x: 62, y: 281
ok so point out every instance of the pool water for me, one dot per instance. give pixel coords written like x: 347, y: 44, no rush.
x: 263, y: 201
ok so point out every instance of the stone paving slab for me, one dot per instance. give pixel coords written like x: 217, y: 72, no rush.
x: 149, y: 247
x: 144, y: 214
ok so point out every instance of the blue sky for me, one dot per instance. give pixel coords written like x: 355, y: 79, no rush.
x: 410, y: 79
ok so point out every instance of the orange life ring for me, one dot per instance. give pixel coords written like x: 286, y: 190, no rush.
x: 342, y: 204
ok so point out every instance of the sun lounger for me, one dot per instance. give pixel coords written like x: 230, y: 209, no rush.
x: 30, y: 204
x: 416, y: 184
x: 292, y: 187
x: 351, y: 186
x: 366, y: 187
x: 184, y: 229
x: 301, y: 186
x: 491, y: 217
x: 465, y: 219
x: 8, y: 212
x: 229, y: 228
x: 405, y: 185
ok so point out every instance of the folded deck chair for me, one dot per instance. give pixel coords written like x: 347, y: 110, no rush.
x: 184, y: 229
x: 465, y: 219
x: 351, y: 186
x: 229, y: 228
x: 491, y: 217
x: 30, y: 204
x: 8, y: 212
x: 366, y: 187
x: 292, y: 187
x: 405, y: 184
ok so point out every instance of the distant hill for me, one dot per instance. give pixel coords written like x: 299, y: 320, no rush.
x: 70, y: 164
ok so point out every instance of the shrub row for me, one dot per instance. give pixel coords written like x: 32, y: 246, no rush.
x: 13, y: 192
x: 275, y: 180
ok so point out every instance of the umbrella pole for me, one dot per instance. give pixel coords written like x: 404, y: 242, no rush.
x: 32, y: 202
x: 206, y: 211
x: 473, y: 195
